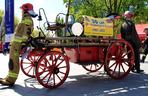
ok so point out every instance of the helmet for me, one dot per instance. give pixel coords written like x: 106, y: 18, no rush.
x: 27, y: 7
x: 128, y: 14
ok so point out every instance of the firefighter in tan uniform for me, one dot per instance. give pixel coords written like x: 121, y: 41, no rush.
x: 22, y: 32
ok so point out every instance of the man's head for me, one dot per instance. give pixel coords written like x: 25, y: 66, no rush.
x: 128, y: 14
x: 28, y: 8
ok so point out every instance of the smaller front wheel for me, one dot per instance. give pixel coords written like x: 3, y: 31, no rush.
x: 52, y: 69
x: 29, y: 63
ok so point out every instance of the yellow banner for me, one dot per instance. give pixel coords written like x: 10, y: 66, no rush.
x: 98, y: 26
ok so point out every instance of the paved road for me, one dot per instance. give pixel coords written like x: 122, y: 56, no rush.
x: 79, y: 83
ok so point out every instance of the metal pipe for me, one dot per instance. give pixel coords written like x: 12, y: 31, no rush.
x: 67, y: 15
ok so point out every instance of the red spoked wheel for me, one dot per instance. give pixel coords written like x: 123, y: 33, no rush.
x: 92, y: 67
x: 52, y: 70
x: 29, y: 63
x: 119, y: 59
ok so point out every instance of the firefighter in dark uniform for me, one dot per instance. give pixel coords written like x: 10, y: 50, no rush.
x: 21, y: 34
x: 145, y: 43
x: 129, y: 33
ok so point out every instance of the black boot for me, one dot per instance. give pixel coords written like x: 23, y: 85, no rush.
x: 133, y: 69
x: 139, y: 71
x: 143, y: 59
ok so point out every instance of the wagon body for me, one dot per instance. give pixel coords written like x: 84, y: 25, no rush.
x: 51, y: 67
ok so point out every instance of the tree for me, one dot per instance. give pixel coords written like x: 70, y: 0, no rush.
x: 100, y: 8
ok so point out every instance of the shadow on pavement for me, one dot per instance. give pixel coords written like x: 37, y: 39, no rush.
x: 133, y: 85
x: 88, y: 85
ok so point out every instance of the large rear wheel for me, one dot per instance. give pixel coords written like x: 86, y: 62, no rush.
x: 119, y: 59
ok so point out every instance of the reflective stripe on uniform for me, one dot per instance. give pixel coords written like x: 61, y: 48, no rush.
x: 16, y: 54
x: 12, y: 74
x: 27, y: 21
x: 19, y: 39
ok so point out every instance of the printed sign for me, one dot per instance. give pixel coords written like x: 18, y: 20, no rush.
x: 98, y: 26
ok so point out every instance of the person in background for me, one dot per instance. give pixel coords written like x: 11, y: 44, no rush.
x: 129, y: 33
x: 21, y: 34
x: 145, y: 43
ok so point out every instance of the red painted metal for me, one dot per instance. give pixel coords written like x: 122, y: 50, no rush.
x: 85, y: 54
x: 91, y: 58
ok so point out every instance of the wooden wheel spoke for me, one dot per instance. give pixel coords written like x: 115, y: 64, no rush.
x: 48, y: 78
x: 126, y: 53
x: 37, y: 58
x: 122, y: 67
x: 60, y: 62
x: 91, y: 67
x: 55, y: 59
x: 54, y: 82
x: 129, y: 51
x: 61, y: 72
x: 30, y: 69
x: 95, y: 67
x: 112, y: 65
x: 126, y: 64
x: 51, y: 58
x: 62, y: 67
x: 42, y: 65
x: 27, y: 67
x: 125, y: 59
x: 59, y: 77
x: 26, y: 63
x: 46, y: 61
x: 119, y: 70
x: 45, y: 76
x: 58, y: 57
x: 115, y: 68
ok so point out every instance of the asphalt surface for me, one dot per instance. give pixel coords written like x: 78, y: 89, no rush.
x: 79, y: 83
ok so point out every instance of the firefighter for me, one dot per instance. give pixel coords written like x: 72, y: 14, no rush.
x: 21, y: 34
x: 129, y: 33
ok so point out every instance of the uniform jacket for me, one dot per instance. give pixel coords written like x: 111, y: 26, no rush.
x: 129, y: 33
x: 23, y: 30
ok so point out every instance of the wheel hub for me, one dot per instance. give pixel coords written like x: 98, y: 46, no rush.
x: 56, y: 70
x: 53, y: 69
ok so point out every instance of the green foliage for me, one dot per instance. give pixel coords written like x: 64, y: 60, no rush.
x: 100, y: 8
x: 60, y: 32
x: 1, y: 14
